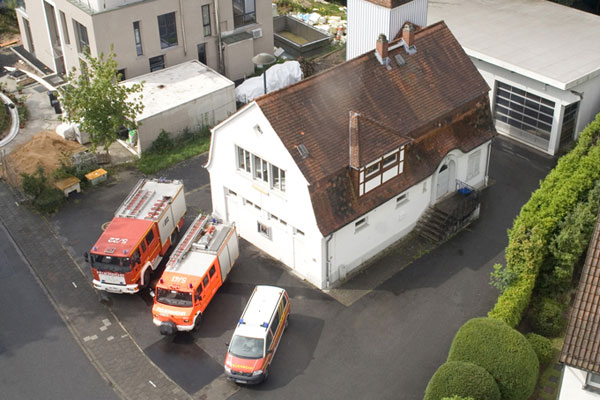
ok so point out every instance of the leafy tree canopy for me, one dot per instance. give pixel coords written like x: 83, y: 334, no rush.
x: 95, y: 100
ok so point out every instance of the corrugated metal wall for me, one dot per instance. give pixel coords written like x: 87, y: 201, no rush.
x: 367, y: 20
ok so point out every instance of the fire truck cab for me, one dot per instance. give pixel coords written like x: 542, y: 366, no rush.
x: 135, y: 241
x: 196, y: 270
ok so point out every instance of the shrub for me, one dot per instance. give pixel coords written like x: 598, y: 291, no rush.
x: 501, y: 351
x: 45, y: 198
x: 458, y: 378
x: 33, y: 185
x: 542, y: 347
x: 162, y: 144
x: 547, y: 317
x: 49, y: 200
x: 539, y: 220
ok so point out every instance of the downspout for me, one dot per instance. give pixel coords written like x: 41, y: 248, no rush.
x: 182, y: 27
x: 219, y: 42
x: 327, y: 261
x: 487, y: 164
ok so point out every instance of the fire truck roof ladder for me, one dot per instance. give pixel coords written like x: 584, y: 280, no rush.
x: 188, y: 239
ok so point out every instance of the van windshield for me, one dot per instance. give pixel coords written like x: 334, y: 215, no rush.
x: 173, y: 297
x: 246, y: 347
x: 110, y: 263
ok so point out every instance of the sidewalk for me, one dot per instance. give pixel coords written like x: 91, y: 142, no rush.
x: 106, y: 343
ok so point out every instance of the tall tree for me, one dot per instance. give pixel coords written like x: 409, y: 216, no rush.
x: 95, y: 100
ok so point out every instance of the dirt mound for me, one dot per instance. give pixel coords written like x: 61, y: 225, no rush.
x: 46, y: 149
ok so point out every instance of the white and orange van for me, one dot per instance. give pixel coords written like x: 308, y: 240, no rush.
x: 196, y: 270
x: 257, y: 335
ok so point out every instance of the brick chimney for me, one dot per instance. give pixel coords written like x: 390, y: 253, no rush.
x: 353, y: 138
x: 408, y: 34
x: 382, y: 48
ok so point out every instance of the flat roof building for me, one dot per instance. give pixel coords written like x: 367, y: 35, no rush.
x: 540, y: 59
x: 186, y: 96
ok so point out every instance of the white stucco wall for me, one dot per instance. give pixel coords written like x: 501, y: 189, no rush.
x: 203, y: 111
x: 320, y: 260
x: 300, y: 252
x: 366, y: 21
x: 573, y: 381
x: 350, y: 247
x: 588, y: 108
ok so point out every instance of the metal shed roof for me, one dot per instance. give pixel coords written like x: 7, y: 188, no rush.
x: 553, y: 44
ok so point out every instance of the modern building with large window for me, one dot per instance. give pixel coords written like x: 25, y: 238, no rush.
x: 148, y: 35
x: 541, y: 61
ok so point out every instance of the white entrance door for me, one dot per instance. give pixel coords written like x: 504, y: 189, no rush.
x: 232, y: 204
x: 445, y: 177
x: 300, y: 256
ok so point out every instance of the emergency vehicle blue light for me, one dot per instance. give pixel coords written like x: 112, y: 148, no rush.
x: 124, y: 251
x: 95, y: 248
x: 241, y: 321
x: 265, y: 325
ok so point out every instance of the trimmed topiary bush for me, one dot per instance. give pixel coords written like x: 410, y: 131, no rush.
x: 542, y: 347
x: 501, y: 351
x: 458, y: 378
x: 547, y: 317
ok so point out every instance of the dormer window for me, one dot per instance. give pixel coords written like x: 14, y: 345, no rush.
x: 389, y: 160
x: 372, y: 169
x: 381, y: 170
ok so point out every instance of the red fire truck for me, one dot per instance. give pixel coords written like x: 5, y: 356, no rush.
x: 135, y: 241
x: 196, y: 270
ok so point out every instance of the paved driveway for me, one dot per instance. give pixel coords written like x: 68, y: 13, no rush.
x: 385, y: 345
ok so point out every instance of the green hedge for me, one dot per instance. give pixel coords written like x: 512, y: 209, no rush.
x: 547, y: 317
x: 501, y: 351
x: 567, y: 184
x: 458, y: 378
x: 542, y: 347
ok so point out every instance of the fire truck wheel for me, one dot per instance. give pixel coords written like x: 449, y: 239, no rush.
x: 266, y: 374
x: 146, y: 279
x: 197, y: 322
x: 287, y: 321
x: 174, y: 236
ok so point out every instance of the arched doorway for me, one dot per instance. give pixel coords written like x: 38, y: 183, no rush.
x: 445, y: 178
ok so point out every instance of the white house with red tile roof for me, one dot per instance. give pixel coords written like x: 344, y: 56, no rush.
x: 326, y: 173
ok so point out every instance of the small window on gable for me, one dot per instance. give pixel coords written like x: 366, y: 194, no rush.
x: 473, y: 164
x: 403, y: 198
x: 593, y: 380
x: 361, y: 223
x: 372, y: 169
x: 389, y: 160
x: 257, y: 129
x: 264, y: 230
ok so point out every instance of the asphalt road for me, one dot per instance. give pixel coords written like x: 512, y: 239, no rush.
x: 385, y: 345
x: 39, y: 358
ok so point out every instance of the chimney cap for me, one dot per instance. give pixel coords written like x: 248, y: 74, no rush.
x: 382, y: 37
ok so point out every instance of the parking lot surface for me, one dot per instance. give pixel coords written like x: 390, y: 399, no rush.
x: 385, y: 344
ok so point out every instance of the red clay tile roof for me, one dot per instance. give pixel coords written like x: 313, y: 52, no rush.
x: 581, y: 348
x: 407, y: 102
